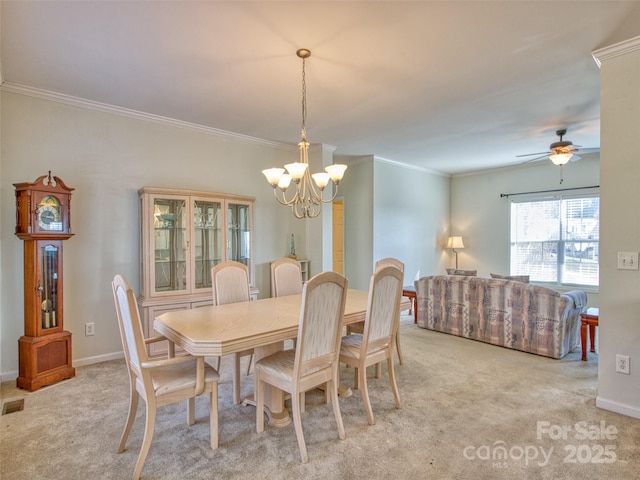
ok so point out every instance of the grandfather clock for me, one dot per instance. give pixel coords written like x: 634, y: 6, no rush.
x: 43, y: 222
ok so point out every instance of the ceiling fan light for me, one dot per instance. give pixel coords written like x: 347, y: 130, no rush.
x: 560, y: 158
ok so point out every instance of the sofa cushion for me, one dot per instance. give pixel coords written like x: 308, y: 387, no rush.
x: 516, y: 278
x: 467, y: 273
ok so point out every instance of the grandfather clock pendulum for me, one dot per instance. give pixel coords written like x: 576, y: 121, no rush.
x: 43, y: 221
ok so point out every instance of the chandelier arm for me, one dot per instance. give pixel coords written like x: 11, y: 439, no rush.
x: 333, y: 197
x: 294, y: 209
x: 283, y: 200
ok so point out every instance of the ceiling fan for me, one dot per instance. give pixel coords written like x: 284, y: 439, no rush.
x: 560, y: 152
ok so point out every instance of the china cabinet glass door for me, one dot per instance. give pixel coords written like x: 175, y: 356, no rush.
x: 207, y: 241
x: 239, y: 233
x: 170, y: 244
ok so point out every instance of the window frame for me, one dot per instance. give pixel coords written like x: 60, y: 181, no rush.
x: 562, y: 241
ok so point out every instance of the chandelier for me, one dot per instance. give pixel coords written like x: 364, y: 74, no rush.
x: 306, y: 201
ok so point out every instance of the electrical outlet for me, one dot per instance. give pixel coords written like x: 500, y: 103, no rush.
x: 622, y: 364
x: 89, y: 329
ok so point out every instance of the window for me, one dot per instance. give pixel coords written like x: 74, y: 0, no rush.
x: 556, y: 239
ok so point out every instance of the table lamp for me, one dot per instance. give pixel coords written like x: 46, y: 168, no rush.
x: 453, y: 243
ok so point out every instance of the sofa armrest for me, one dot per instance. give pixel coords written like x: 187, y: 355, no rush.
x: 578, y: 299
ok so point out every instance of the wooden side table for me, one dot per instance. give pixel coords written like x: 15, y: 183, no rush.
x: 410, y: 292
x: 588, y: 318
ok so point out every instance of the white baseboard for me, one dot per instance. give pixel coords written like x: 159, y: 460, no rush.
x: 617, y: 407
x: 80, y: 362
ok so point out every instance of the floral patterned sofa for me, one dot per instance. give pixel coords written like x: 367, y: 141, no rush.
x: 508, y: 313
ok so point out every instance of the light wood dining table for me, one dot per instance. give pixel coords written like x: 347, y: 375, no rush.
x: 262, y: 324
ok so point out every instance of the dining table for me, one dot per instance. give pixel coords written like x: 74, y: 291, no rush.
x: 262, y: 325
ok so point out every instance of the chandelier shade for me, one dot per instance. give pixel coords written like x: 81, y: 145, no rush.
x: 307, y: 199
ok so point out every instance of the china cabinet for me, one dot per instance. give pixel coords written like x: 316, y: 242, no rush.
x: 43, y: 221
x: 184, y: 233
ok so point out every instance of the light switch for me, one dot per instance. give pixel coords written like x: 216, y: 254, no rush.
x: 627, y: 260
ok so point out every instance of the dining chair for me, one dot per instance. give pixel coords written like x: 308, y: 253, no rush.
x: 162, y: 381
x: 286, y: 277
x: 375, y: 344
x: 315, y: 359
x: 359, y: 327
x: 230, y: 282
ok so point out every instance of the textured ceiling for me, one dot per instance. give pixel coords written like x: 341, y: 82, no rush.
x: 449, y: 86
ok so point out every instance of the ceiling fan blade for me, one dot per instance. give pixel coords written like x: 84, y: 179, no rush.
x: 545, y: 156
x: 531, y: 154
x: 575, y: 158
x: 589, y: 150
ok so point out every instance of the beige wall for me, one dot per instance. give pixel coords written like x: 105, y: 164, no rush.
x: 357, y: 192
x: 620, y: 230
x: 411, y: 218
x: 393, y: 211
x: 107, y: 157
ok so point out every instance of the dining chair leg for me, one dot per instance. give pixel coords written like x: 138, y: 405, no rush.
x: 133, y: 407
x: 259, y: 398
x: 365, y: 395
x: 392, y: 380
x: 297, y: 422
x: 236, y: 378
x: 333, y: 386
x: 356, y: 378
x: 191, y: 409
x: 378, y: 368
x: 213, y: 417
x: 146, y: 441
x: 249, y: 365
x: 400, y: 360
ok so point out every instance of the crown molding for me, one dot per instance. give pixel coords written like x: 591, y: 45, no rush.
x: 148, y: 117
x: 620, y: 48
x: 410, y: 167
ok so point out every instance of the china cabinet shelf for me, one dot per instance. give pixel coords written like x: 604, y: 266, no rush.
x: 184, y: 233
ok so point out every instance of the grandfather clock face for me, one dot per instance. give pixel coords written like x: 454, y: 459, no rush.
x: 49, y: 215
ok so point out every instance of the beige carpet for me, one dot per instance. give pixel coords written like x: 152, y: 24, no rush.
x: 462, y: 401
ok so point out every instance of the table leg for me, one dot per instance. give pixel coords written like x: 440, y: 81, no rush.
x: 583, y: 340
x: 277, y: 415
x: 592, y: 336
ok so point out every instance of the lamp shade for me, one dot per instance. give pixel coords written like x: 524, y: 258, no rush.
x: 455, y: 242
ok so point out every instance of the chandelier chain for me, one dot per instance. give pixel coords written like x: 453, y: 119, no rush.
x: 304, y: 101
